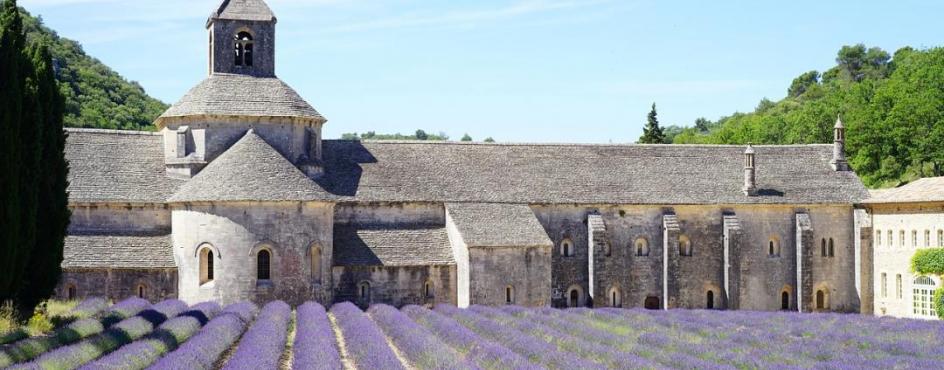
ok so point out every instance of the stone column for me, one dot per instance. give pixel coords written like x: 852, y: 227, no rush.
x: 732, y: 261
x: 864, y: 261
x: 670, y: 261
x: 596, y: 232
x: 804, y: 262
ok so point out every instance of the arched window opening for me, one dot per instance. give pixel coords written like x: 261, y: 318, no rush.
x: 567, y: 248
x: 884, y: 287
x: 710, y: 300
x: 901, y: 237
x: 70, y: 292
x: 823, y: 248
x: 616, y: 299
x: 263, y: 260
x: 316, y: 264
x: 785, y: 300
x: 898, y: 286
x: 830, y: 251
x: 206, y: 265
x: 923, y: 297
x: 574, y: 298
x: 940, y: 238
x: 509, y: 294
x: 642, y: 247
x: 142, y: 291
x: 890, y: 237
x: 428, y: 290
x: 773, y: 248
x: 685, y: 246
x: 363, y: 292
x: 878, y: 237
x: 927, y: 238
x: 914, y: 238
x: 243, y: 49
x: 652, y: 303
x: 820, y: 300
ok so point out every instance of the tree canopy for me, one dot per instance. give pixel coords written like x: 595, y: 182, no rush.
x: 652, y: 133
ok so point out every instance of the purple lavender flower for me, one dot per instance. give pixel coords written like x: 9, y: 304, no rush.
x: 124, y: 332
x: 264, y: 342
x: 169, y: 335
x: 365, y: 343
x: 415, y: 342
x: 315, y: 346
x: 203, y: 350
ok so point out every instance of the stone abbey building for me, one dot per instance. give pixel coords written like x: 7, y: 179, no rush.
x: 239, y: 197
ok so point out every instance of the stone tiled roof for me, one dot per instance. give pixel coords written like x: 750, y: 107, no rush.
x: 498, y: 225
x: 250, y: 10
x: 241, y: 95
x: 929, y: 189
x: 110, y: 251
x: 391, y: 246
x: 594, y: 174
x: 250, y: 170
x: 117, y: 166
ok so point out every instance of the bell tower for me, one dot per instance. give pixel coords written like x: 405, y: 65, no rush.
x: 242, y: 38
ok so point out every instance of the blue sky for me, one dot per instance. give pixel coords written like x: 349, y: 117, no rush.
x: 517, y: 70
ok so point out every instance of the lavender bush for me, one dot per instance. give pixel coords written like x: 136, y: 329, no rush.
x: 124, y: 332
x: 169, y: 335
x: 205, y: 348
x: 364, y: 341
x: 262, y: 345
x: 315, y: 346
x: 415, y: 342
x: 31, y: 348
x: 482, y: 352
x: 88, y: 308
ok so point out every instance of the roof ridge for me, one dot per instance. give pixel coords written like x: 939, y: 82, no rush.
x: 111, y: 131
x: 446, y: 142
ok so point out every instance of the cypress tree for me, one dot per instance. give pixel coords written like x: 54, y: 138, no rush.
x: 652, y: 132
x: 51, y: 208
x: 12, y: 253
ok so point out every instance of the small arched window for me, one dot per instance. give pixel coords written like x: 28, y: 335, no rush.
x: 820, y: 300
x: 509, y: 294
x: 363, y: 291
x: 567, y: 248
x: 685, y: 246
x: 142, y: 291
x: 710, y: 300
x: 71, y: 292
x: 263, y: 261
x: 428, y: 289
x: 830, y: 251
x: 243, y: 49
x: 878, y: 237
x: 773, y: 247
x: 573, y: 299
x: 315, y: 264
x: 616, y: 299
x: 822, y: 248
x: 642, y: 247
x: 206, y: 265
x: 785, y: 300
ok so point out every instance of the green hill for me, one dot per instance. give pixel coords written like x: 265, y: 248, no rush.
x: 96, y: 96
x: 892, y: 105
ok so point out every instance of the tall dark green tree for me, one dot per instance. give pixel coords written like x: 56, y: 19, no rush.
x: 652, y: 132
x: 12, y: 253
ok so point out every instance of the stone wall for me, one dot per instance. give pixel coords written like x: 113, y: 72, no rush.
x: 527, y: 270
x: 390, y: 214
x: 398, y: 286
x: 118, y: 284
x: 235, y: 232
x: 222, y: 54
x: 892, y: 260
x: 120, y: 219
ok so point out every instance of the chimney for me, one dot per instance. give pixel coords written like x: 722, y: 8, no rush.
x: 750, y: 185
x: 839, y: 162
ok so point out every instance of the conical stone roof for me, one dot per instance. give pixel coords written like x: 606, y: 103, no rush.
x: 251, y: 170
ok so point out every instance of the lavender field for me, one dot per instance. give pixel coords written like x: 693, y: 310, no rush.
x: 134, y: 334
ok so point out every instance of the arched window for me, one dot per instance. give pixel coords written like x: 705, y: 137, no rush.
x: 315, y: 264
x: 206, y: 265
x: 428, y: 289
x: 878, y: 237
x: 243, y: 49
x: 142, y: 291
x: 890, y: 235
x: 773, y: 247
x: 574, y: 299
x: 830, y: 251
x: 652, y: 303
x: 263, y: 261
x: 923, y: 296
x: 567, y: 248
x: 685, y: 246
x: 914, y: 238
x: 927, y: 238
x: 785, y: 300
x: 70, y: 292
x: 509, y: 294
x: 710, y: 300
x: 820, y: 300
x: 898, y: 286
x: 823, y: 248
x: 363, y: 291
x: 642, y: 247
x: 901, y: 237
x: 616, y: 299
x: 940, y: 238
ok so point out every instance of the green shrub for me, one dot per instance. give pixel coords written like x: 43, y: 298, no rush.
x: 928, y: 261
x: 939, y: 302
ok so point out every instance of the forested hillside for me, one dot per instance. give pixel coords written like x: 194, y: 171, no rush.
x: 96, y: 96
x: 892, y: 106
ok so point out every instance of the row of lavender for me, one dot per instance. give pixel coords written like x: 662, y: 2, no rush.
x: 170, y: 335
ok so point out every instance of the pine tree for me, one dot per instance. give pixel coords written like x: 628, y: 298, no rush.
x: 652, y: 133
x: 12, y: 253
